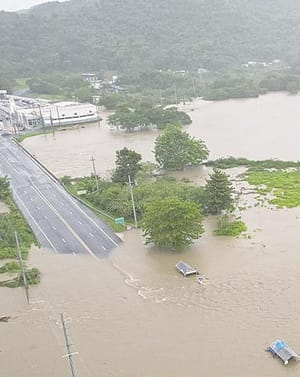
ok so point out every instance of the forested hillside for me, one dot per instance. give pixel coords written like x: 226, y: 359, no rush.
x: 140, y: 35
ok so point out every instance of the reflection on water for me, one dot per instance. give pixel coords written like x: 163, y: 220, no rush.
x: 133, y: 314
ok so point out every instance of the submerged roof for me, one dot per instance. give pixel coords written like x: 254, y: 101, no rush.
x: 283, y: 351
x: 186, y: 269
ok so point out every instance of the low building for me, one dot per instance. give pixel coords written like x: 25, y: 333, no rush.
x: 59, y: 114
x: 3, y: 94
x: 91, y: 77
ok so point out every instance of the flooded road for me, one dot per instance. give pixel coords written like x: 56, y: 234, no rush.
x: 132, y: 314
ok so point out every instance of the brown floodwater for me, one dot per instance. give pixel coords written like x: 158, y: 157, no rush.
x: 267, y: 127
x: 132, y: 314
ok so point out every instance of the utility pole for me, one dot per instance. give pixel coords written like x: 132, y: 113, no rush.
x: 132, y: 201
x: 95, y: 173
x: 42, y: 118
x: 69, y: 355
x: 194, y: 89
x: 51, y: 121
x: 22, y: 269
x: 176, y: 98
x: 58, y: 116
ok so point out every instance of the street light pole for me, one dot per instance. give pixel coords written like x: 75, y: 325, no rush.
x: 22, y: 268
x: 132, y: 201
x: 95, y: 173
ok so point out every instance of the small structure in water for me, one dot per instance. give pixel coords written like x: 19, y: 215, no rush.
x: 186, y: 269
x: 283, y: 351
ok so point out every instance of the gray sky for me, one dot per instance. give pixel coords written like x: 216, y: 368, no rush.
x: 12, y: 5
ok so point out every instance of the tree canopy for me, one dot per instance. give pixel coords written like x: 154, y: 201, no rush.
x: 128, y: 163
x: 218, y: 193
x: 175, y: 149
x: 172, y: 223
x: 145, y: 116
x: 138, y: 36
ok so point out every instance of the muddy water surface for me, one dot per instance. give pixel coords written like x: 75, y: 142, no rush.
x: 267, y: 127
x: 133, y: 315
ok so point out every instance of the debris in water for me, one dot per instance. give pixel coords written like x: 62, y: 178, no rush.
x: 4, y: 318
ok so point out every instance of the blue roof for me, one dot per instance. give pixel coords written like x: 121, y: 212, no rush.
x: 280, y: 344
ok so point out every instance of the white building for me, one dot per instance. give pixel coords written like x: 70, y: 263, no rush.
x: 91, y: 77
x: 57, y: 114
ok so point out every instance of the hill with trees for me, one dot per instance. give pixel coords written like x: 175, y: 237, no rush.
x: 132, y: 37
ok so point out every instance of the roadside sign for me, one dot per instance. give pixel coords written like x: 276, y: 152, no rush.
x: 120, y: 220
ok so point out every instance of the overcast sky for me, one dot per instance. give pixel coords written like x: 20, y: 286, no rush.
x: 12, y: 5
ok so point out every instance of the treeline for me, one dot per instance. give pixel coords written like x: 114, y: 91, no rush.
x: 134, y: 37
x: 67, y: 86
x: 164, y: 87
x: 144, y: 117
x: 12, y: 221
x: 247, y: 84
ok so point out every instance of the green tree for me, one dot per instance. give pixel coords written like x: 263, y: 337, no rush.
x: 172, y: 223
x: 218, y: 193
x: 175, y: 149
x: 4, y: 187
x: 124, y: 118
x: 145, y: 115
x: 84, y: 94
x: 128, y: 163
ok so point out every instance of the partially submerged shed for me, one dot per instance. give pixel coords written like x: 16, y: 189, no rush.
x: 186, y: 269
x: 283, y: 351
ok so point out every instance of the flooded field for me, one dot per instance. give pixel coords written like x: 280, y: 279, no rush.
x: 267, y: 127
x: 132, y: 314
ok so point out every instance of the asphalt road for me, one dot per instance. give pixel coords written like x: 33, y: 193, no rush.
x: 59, y: 221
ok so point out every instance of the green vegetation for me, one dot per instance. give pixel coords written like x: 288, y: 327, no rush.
x: 232, y: 162
x: 228, y: 226
x: 128, y: 164
x: 153, y: 56
x: 175, y: 149
x: 33, y: 277
x: 114, y: 198
x: 12, y: 266
x: 143, y: 117
x: 44, y: 131
x: 218, y: 193
x: 169, y: 212
x: 270, y: 177
x: 60, y: 87
x: 172, y: 223
x: 229, y: 87
x: 82, y: 35
x: 283, y: 185
x: 9, y: 223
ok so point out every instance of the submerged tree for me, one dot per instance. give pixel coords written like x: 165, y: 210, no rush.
x: 128, y: 163
x: 218, y: 193
x: 172, y: 223
x: 175, y: 149
x: 145, y: 115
